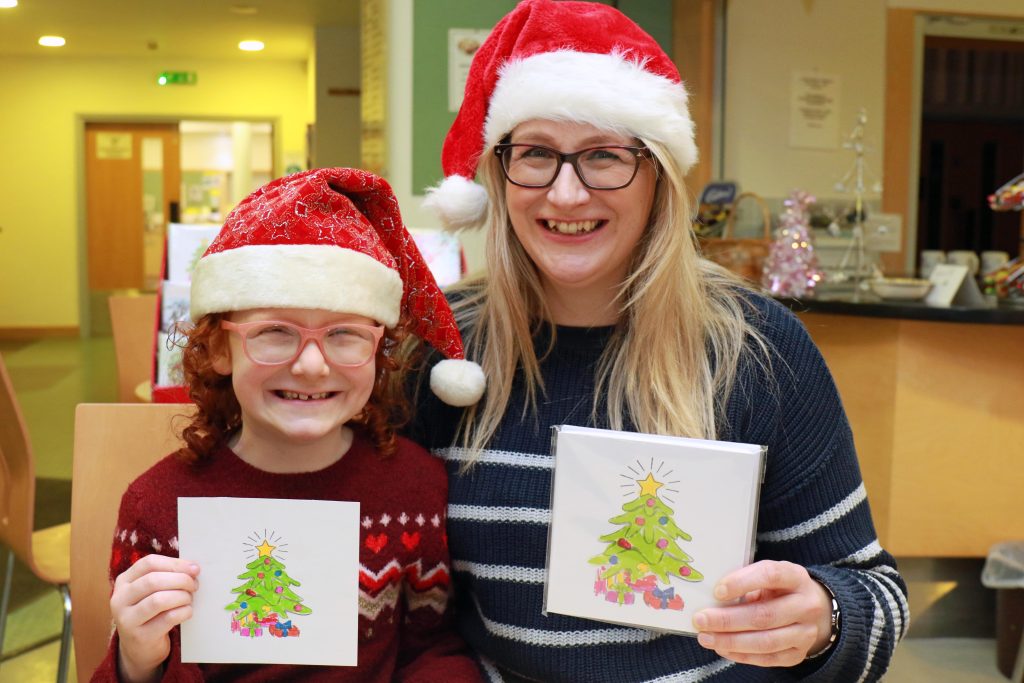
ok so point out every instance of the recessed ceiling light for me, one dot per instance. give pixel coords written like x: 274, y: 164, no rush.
x: 8, y: 4
x: 247, y: 10
x: 51, y: 41
x: 251, y: 45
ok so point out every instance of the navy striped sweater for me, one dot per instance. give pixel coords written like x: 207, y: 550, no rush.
x: 813, y: 511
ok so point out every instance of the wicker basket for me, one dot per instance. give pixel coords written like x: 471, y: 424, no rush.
x: 744, y: 256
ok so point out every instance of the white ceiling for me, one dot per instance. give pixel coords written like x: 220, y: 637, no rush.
x: 205, y: 29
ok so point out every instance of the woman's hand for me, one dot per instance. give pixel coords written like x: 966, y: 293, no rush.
x: 150, y: 598
x: 784, y: 615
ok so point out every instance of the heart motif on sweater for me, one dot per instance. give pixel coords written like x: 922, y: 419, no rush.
x: 410, y: 541
x: 376, y: 543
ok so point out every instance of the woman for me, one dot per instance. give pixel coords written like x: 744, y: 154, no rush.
x: 598, y: 310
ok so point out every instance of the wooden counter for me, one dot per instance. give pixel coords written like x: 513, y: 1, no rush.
x: 937, y: 410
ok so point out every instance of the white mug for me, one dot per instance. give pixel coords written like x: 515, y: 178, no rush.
x: 964, y: 257
x: 929, y: 259
x: 991, y: 260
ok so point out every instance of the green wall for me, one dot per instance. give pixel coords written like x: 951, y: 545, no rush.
x: 431, y: 20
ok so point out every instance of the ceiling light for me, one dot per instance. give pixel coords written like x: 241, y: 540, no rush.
x: 251, y: 45
x: 248, y: 10
x: 8, y: 4
x: 51, y: 41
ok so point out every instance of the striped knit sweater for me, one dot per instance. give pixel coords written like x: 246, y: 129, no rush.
x: 404, y: 582
x: 813, y: 511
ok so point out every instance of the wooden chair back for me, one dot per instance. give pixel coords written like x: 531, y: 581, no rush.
x: 114, y: 444
x: 17, y: 474
x: 133, y: 322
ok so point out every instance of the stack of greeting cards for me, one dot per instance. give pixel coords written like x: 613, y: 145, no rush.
x: 185, y: 245
x: 644, y: 526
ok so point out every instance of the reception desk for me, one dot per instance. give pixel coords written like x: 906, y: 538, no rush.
x: 936, y: 401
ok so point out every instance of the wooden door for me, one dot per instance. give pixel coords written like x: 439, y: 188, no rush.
x: 116, y: 214
x: 962, y: 162
x: 972, y: 141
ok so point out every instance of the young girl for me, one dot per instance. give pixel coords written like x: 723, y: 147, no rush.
x: 298, y: 304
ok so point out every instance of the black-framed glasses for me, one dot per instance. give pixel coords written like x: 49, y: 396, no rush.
x: 610, y: 167
x: 273, y: 342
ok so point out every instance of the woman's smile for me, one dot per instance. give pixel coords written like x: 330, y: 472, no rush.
x: 572, y: 227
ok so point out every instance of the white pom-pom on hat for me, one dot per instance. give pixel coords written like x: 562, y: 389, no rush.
x: 459, y: 202
x: 457, y: 382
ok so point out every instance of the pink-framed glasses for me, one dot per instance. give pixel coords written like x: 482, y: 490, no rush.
x: 274, y: 342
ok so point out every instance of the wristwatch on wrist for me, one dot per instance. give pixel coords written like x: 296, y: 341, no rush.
x: 835, y: 621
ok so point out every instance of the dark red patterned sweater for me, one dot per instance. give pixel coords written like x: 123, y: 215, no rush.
x: 404, y: 575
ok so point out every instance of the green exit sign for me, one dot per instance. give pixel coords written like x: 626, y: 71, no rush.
x: 177, y: 78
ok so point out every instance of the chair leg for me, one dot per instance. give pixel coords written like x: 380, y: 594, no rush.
x: 5, y: 601
x: 1018, y: 666
x: 65, y: 637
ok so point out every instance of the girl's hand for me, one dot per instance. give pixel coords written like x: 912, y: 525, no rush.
x: 150, y: 598
x: 784, y: 615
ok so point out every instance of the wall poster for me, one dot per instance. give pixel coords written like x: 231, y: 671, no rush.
x: 462, y: 45
x: 814, y: 110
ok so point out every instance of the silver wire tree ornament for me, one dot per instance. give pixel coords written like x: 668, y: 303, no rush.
x: 854, y: 181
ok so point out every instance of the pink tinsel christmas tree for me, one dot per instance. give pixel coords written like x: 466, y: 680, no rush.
x: 791, y: 268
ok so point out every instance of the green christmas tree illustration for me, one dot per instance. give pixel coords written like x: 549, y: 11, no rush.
x: 266, y: 597
x: 643, y: 553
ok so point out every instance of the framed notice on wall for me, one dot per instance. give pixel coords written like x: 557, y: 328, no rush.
x: 814, y: 110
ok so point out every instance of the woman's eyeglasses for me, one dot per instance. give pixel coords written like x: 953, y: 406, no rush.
x: 271, y: 342
x: 600, y: 168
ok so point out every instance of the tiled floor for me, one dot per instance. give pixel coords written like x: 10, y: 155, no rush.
x: 951, y: 637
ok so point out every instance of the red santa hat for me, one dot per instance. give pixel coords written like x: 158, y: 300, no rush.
x: 565, y: 61
x: 333, y: 239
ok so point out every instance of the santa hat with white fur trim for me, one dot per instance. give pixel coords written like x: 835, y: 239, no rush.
x: 333, y: 239
x: 567, y: 61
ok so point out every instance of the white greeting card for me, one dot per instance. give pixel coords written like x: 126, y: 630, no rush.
x: 643, y: 526
x: 278, y: 580
x: 442, y: 252
x: 186, y: 243
x: 953, y: 284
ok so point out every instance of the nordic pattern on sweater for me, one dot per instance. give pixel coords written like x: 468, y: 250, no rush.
x: 378, y: 590
x: 813, y: 511
x: 404, y: 574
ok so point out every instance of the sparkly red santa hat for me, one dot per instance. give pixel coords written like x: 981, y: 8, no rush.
x: 566, y: 61
x: 333, y: 239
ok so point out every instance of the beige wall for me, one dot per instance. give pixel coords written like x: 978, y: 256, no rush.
x: 44, y: 101
x: 766, y: 41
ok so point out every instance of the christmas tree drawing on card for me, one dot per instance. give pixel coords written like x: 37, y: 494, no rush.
x: 683, y: 514
x: 272, y: 590
x: 266, y: 597
x: 644, y: 554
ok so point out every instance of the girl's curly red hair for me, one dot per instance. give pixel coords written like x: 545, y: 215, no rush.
x: 218, y: 416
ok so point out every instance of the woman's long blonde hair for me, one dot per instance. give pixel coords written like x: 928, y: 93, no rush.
x: 682, y: 330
